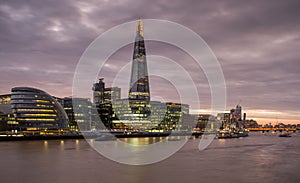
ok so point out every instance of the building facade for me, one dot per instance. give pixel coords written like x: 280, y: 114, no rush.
x: 5, y: 99
x: 7, y: 120
x: 98, y: 92
x: 238, y: 113
x: 164, y: 116
x: 35, y: 110
x: 102, y: 102
x: 137, y: 112
x: 139, y: 81
x: 224, y: 118
x: 127, y: 116
x: 173, y: 117
x: 203, y: 121
x: 79, y: 112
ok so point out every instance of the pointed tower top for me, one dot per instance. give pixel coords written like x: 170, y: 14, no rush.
x: 140, y: 30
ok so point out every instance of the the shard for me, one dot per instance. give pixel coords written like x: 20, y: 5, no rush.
x: 139, y: 82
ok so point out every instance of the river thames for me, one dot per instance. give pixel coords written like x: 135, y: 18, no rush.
x: 257, y: 158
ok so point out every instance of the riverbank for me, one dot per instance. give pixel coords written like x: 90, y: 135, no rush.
x: 90, y: 136
x: 40, y: 137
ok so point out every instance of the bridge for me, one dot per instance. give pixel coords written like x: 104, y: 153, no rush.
x: 267, y: 129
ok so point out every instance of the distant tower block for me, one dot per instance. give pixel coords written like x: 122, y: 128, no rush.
x: 139, y: 82
x: 238, y: 113
x: 98, y: 92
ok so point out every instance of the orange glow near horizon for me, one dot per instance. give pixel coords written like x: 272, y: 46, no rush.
x: 262, y: 116
x: 273, y: 121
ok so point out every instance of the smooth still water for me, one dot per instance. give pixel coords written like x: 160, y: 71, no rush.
x: 257, y: 158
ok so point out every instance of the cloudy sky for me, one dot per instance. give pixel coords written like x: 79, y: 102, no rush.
x: 256, y: 42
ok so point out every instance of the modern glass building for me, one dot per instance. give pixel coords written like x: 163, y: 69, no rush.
x: 202, y: 121
x: 136, y: 117
x: 79, y: 112
x: 98, y: 91
x: 139, y: 82
x: 164, y: 116
x: 238, y: 113
x: 36, y: 110
x: 102, y: 98
x: 5, y: 99
x: 7, y: 119
x: 102, y: 94
x: 137, y: 112
x: 224, y: 118
x: 173, y: 119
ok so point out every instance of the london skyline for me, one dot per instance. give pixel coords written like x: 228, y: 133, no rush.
x: 256, y: 44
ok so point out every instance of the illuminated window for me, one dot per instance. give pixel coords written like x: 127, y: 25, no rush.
x: 40, y: 115
x: 34, y: 119
x: 42, y: 101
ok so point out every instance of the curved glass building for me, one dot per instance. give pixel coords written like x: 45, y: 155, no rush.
x: 35, y: 109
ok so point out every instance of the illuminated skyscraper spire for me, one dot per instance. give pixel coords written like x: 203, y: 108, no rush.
x: 139, y: 82
x: 140, y: 30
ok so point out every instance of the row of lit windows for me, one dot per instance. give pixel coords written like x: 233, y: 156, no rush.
x: 143, y: 115
x: 34, y: 119
x: 31, y: 105
x: 42, y: 105
x: 125, y: 108
x: 130, y: 105
x: 78, y: 114
x: 43, y: 101
x: 139, y: 93
x: 27, y: 96
x: 29, y: 101
x: 12, y: 123
x: 140, y: 83
x: 40, y: 115
x: 35, y: 110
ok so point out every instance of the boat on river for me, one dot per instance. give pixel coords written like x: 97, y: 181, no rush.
x: 222, y: 134
x: 286, y: 134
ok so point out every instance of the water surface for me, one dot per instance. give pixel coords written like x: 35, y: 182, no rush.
x: 257, y: 158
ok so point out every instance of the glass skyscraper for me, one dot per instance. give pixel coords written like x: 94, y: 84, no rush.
x: 138, y: 112
x: 139, y: 82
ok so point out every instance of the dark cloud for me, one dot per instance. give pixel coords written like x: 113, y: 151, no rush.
x: 257, y: 44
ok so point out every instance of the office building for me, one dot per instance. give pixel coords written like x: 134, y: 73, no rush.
x: 7, y: 120
x: 139, y: 81
x: 238, y: 113
x: 35, y: 110
x: 137, y: 112
x: 224, y: 118
x: 203, y: 121
x: 79, y: 112
x: 5, y: 99
x: 173, y: 117
x: 102, y: 102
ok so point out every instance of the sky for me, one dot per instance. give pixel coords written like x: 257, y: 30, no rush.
x: 256, y: 43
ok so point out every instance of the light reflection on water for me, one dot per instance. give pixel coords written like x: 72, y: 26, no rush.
x: 139, y: 151
x: 151, y: 140
x: 257, y: 158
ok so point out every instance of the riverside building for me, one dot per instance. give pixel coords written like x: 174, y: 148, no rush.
x: 137, y: 112
x: 36, y: 110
